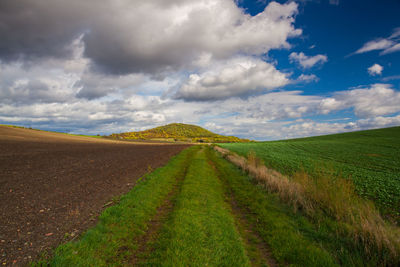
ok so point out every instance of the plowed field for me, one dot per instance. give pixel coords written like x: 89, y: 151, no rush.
x: 53, y: 186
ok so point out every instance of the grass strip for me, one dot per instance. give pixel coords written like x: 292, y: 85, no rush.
x: 350, y: 223
x: 201, y: 230
x: 291, y: 238
x: 257, y: 250
x: 113, y: 240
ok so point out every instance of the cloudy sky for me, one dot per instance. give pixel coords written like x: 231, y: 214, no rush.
x: 257, y: 69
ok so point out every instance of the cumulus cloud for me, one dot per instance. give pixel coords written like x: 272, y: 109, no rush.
x: 274, y: 115
x: 87, y: 68
x: 377, y: 100
x: 37, y: 84
x: 375, y: 69
x: 307, y: 61
x: 236, y: 77
x: 95, y: 85
x: 388, y: 45
x: 122, y: 37
x: 139, y: 112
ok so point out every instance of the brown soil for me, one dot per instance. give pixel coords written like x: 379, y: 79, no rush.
x: 53, y: 186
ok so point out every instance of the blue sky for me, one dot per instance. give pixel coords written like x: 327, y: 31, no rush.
x: 263, y: 70
x: 338, y: 30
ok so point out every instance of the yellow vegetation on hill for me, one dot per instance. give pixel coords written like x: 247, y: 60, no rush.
x: 179, y: 132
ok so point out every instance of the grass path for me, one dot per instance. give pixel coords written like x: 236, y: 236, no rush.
x: 200, y: 210
x: 290, y: 238
x: 201, y: 230
x: 145, y: 241
x: 179, y: 215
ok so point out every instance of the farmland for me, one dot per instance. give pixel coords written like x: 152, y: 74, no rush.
x: 199, y: 226
x: 370, y: 158
x: 83, y: 201
x: 53, y: 186
x: 203, y: 210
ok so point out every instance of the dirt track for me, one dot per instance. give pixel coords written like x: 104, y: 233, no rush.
x: 53, y: 186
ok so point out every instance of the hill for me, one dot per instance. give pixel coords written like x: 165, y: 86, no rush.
x: 14, y: 133
x: 179, y: 132
x: 370, y: 158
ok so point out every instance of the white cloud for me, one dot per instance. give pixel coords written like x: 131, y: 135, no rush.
x: 378, y: 44
x: 38, y: 84
x: 388, y: 45
x: 153, y: 36
x: 375, y: 69
x: 273, y: 115
x: 95, y: 85
x: 392, y: 49
x: 239, y: 76
x: 307, y: 61
x: 377, y: 100
x: 107, y: 68
x: 307, y: 78
x: 118, y: 48
x: 313, y: 128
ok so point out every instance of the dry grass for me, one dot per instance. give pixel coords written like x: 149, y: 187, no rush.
x: 331, y: 196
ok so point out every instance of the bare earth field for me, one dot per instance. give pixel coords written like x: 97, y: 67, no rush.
x: 53, y: 186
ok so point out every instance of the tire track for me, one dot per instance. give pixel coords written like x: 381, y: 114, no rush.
x: 257, y: 250
x: 201, y: 230
x: 145, y: 242
x: 260, y: 252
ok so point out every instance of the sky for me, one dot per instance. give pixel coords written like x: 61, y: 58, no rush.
x: 263, y: 70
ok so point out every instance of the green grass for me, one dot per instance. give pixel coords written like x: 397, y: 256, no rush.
x: 112, y: 241
x: 292, y: 239
x: 291, y: 233
x: 201, y: 230
x: 370, y: 158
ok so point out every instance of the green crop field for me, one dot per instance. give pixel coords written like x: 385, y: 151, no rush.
x: 370, y: 158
